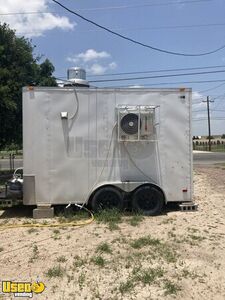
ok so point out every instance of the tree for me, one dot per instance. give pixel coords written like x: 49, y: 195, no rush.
x: 18, y: 68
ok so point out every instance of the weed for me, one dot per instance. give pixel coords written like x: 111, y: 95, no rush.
x: 73, y: 216
x: 78, y: 261
x: 56, y: 271
x: 147, y: 276
x: 168, y: 254
x: 104, y: 247
x: 186, y: 273
x: 145, y: 241
x: 125, y: 287
x: 196, y: 237
x: 56, y: 233
x: 1, y: 249
x: 34, y: 254
x: 99, y: 261
x: 171, y: 288
x: 111, y: 217
x: 68, y: 237
x: 139, y: 275
x: 32, y: 230
x: 136, y: 220
x: 61, y: 258
x: 70, y: 278
x: 81, y: 280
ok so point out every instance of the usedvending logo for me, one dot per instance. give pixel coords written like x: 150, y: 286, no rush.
x: 22, y: 289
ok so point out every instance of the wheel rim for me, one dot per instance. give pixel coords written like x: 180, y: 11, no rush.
x: 147, y: 199
x: 108, y: 199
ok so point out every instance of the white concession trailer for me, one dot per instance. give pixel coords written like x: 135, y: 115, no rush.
x: 107, y: 147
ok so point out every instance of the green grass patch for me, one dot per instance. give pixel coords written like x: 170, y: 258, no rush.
x: 98, y: 261
x: 61, y: 259
x: 135, y: 220
x: 104, y: 247
x: 78, y: 261
x: 56, y: 271
x: 171, y: 288
x: 145, y: 241
x: 111, y: 217
x: 126, y: 286
x: 144, y: 276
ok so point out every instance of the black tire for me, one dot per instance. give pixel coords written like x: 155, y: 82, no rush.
x: 107, y: 198
x: 148, y: 200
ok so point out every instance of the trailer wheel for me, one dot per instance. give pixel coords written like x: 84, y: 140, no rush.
x: 107, y: 198
x: 148, y: 200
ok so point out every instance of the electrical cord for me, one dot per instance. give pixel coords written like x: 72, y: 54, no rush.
x: 134, y: 41
x: 39, y: 225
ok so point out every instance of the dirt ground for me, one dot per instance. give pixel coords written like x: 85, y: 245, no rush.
x: 177, y: 255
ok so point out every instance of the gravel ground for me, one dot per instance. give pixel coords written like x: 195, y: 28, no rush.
x: 177, y: 255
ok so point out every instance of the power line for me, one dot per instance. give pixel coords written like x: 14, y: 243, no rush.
x: 213, y: 88
x: 109, y: 7
x: 168, y: 83
x: 157, y: 84
x: 135, y: 41
x: 128, y: 28
x: 158, y: 71
x: 158, y: 76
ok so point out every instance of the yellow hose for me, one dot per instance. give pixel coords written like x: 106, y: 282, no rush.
x: 39, y: 225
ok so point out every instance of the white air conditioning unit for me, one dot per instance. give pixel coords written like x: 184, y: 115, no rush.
x: 136, y: 123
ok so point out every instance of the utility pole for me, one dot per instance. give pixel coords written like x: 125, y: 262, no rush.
x: 209, y: 125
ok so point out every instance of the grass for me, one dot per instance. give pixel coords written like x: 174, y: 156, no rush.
x: 1, y: 249
x: 104, y: 247
x: 98, y: 261
x: 56, y: 234
x: 135, y: 220
x: 32, y: 230
x: 78, y: 261
x: 196, y: 237
x: 35, y: 253
x: 73, y: 216
x: 61, y: 259
x: 145, y: 276
x: 81, y: 280
x: 145, y: 241
x: 111, y: 217
x: 171, y: 288
x: 127, y: 286
x: 149, y: 276
x: 159, y: 249
x: 56, y: 271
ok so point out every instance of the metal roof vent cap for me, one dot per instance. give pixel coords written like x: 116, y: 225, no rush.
x: 77, y: 77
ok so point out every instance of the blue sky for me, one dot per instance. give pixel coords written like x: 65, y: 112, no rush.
x: 69, y: 41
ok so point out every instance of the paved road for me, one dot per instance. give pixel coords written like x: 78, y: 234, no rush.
x: 208, y: 158
x: 5, y: 165
x: 200, y: 158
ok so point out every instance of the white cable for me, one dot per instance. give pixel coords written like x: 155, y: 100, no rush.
x: 77, y: 108
x: 106, y: 159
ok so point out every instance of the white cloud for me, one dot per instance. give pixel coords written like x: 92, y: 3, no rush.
x: 95, y: 63
x: 31, y: 25
x: 89, y: 55
x: 96, y: 69
x: 112, y: 65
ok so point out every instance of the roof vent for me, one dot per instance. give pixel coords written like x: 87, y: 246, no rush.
x: 76, y: 77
